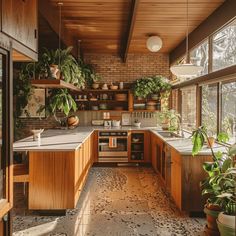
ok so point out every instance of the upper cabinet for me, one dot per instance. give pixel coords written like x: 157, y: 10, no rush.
x: 19, y: 21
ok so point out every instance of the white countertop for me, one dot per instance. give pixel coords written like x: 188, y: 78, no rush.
x: 70, y: 140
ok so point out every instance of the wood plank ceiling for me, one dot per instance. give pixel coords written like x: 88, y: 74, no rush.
x: 103, y: 25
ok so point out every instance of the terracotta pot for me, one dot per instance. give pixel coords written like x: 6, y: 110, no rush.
x: 210, y: 142
x: 55, y: 71
x: 212, y: 212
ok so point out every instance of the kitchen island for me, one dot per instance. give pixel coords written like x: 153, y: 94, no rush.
x: 59, y: 164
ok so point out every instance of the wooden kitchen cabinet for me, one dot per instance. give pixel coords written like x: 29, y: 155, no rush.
x: 156, y: 150
x: 57, y: 178
x: 139, y: 151
x: 19, y: 21
x: 186, y: 175
x: 176, y: 179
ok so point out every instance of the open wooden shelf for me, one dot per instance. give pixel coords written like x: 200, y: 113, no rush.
x: 141, y: 110
x: 53, y: 83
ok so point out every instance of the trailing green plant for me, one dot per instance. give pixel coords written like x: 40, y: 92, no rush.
x: 60, y: 100
x: 160, y: 84
x: 22, y: 91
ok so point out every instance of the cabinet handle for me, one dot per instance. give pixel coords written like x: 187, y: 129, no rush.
x: 171, y: 162
x: 35, y: 33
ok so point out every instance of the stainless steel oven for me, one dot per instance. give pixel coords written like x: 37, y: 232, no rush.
x: 113, y: 146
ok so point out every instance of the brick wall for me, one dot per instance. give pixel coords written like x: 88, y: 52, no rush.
x: 111, y: 67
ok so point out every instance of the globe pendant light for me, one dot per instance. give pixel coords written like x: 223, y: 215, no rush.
x: 154, y: 43
x: 187, y: 69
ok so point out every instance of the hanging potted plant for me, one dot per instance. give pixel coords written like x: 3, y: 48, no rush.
x: 58, y: 64
x: 60, y: 100
x: 213, y: 170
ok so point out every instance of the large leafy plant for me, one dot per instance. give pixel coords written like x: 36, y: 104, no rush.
x: 143, y: 87
x: 70, y: 70
x: 60, y: 100
x: 220, y: 184
x: 150, y: 85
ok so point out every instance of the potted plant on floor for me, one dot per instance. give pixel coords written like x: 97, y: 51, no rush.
x: 226, y: 184
x: 214, y: 169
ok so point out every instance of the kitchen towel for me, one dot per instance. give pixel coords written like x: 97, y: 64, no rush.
x: 112, y: 142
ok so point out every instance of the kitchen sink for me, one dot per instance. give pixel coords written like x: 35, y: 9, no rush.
x: 168, y: 134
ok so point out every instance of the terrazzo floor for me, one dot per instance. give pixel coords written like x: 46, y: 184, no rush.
x: 116, y: 201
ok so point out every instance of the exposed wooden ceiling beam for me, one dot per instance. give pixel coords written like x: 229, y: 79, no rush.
x: 51, y: 14
x: 134, y: 9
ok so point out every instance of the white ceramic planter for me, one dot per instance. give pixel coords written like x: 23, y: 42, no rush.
x: 226, y: 224
x: 227, y: 219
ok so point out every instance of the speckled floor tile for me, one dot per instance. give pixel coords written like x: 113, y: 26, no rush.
x: 115, y: 201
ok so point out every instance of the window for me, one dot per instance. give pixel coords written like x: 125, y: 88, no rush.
x: 175, y: 99
x: 188, y: 109
x: 199, y: 56
x: 209, y: 108
x: 224, y: 47
x: 228, y: 110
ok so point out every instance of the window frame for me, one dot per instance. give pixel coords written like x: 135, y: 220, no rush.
x: 219, y: 101
x: 209, y: 38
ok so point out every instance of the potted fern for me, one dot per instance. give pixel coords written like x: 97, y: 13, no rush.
x: 58, y: 64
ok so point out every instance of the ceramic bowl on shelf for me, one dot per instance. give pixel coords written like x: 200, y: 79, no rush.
x: 95, y: 85
x: 137, y: 124
x: 139, y: 106
x: 135, y: 140
x: 114, y: 87
x: 121, y: 97
x: 94, y: 108
x: 103, y: 106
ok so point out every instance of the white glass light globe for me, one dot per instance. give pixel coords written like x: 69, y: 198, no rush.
x: 154, y: 43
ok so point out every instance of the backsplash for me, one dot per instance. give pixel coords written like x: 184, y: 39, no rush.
x: 147, y: 119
